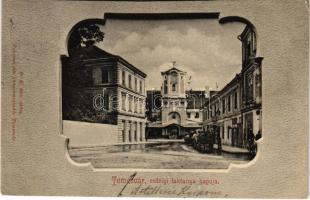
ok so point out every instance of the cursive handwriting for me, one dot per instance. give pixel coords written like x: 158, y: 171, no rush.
x: 186, y: 191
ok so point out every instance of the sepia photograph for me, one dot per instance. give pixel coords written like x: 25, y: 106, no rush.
x: 177, y: 99
x: 162, y: 91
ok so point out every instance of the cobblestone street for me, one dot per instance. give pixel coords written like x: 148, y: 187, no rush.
x: 156, y: 155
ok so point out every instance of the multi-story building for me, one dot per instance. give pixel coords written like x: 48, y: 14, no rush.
x: 223, y: 110
x: 105, y: 88
x: 235, y: 111
x: 252, y: 84
x: 180, y: 109
x: 195, y: 104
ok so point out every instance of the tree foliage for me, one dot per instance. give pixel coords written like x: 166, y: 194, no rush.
x: 85, y: 35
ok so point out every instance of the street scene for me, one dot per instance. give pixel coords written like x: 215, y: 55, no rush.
x: 161, y: 94
x: 169, y: 154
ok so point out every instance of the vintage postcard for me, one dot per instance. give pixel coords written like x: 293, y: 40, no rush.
x: 155, y: 98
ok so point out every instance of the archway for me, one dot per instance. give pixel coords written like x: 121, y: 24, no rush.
x: 174, y: 117
x: 173, y: 131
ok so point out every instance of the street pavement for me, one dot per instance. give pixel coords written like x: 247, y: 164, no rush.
x: 156, y: 155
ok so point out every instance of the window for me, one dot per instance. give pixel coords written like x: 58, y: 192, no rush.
x: 129, y: 81
x: 123, y: 78
x: 223, y: 106
x: 174, y: 81
x: 136, y: 105
x: 97, y: 76
x: 165, y: 87
x: 247, y: 50
x: 248, y: 47
x: 254, y: 43
x: 249, y: 87
x: 140, y: 86
x: 136, y: 129
x: 228, y: 103
x: 123, y: 101
x: 141, y: 104
x: 197, y: 115
x: 173, y: 116
x: 234, y: 121
x: 173, y: 88
x: 188, y: 115
x: 136, y: 85
x: 130, y: 104
x: 141, y: 131
x: 105, y: 75
x: 123, y: 130
x: 129, y: 131
x: 157, y: 103
x: 236, y: 100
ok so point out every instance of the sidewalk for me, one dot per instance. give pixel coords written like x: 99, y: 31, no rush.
x: 165, y: 140
x: 230, y: 149
x: 148, y: 141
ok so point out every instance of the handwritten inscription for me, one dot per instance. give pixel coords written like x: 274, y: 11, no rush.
x: 185, y: 191
x: 21, y: 93
x: 17, y: 86
x: 183, y: 187
x: 13, y: 76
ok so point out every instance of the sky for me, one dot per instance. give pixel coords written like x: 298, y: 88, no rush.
x: 210, y: 53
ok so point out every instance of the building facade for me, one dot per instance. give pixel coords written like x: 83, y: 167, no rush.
x: 107, y: 89
x: 179, y: 111
x: 195, y: 104
x: 252, y: 84
x: 235, y: 112
x: 223, y: 113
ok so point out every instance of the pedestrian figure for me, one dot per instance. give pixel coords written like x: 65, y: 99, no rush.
x: 251, y: 143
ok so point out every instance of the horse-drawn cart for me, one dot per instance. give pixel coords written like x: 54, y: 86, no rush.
x: 204, y: 142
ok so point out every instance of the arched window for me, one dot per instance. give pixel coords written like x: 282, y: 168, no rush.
x: 173, y: 87
x: 165, y: 87
x: 174, y: 81
x: 197, y: 115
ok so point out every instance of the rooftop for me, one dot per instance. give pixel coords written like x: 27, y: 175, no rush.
x: 172, y: 69
x: 94, y: 54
